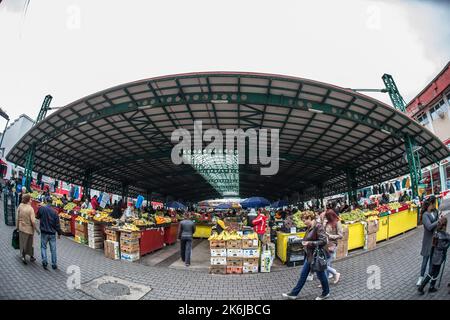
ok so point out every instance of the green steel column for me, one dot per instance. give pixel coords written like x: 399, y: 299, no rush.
x: 87, y: 180
x: 125, y: 190
x: 413, y: 165
x: 351, y: 184
x: 29, y: 163
x: 320, y: 194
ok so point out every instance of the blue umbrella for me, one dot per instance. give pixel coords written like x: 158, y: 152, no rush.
x: 255, y: 202
x: 279, y: 204
x: 176, y: 205
x: 224, y: 206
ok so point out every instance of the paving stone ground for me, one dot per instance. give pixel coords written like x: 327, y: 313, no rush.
x: 398, y: 262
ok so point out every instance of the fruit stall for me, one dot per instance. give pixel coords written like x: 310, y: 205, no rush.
x: 363, y: 228
x: 203, y: 225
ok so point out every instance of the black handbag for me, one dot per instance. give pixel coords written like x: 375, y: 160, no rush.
x: 15, y: 239
x: 319, y: 262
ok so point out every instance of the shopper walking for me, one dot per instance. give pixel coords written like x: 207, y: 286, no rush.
x: 441, y: 242
x: 334, y: 232
x: 315, y: 238
x: 26, y: 225
x: 185, y: 234
x: 49, y: 224
x: 430, y: 221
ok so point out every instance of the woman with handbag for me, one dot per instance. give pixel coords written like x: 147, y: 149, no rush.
x: 334, y: 232
x: 27, y: 226
x: 316, y: 256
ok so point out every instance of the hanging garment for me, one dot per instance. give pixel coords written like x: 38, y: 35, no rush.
x: 408, y: 183
x: 391, y: 189
x: 404, y: 183
x: 375, y: 190
x: 397, y: 185
x: 382, y: 188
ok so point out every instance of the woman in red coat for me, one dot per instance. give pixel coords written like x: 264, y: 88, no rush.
x: 259, y: 225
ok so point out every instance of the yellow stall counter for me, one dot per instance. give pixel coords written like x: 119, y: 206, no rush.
x: 282, y: 241
x: 383, y: 230
x: 402, y: 221
x: 202, y: 231
x: 356, y: 237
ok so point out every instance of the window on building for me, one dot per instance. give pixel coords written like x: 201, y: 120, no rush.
x: 439, y: 107
x: 423, y: 119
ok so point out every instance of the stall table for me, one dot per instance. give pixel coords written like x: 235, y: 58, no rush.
x: 356, y: 238
x: 202, y: 231
x: 151, y: 240
x: 171, y: 233
x: 402, y: 221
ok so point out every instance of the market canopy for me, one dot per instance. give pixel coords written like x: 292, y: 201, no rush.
x: 175, y: 205
x: 255, y: 202
x: 122, y: 136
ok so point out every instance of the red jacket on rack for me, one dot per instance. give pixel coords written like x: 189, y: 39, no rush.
x: 259, y: 224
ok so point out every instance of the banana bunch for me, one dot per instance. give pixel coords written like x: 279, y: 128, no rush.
x: 142, y: 223
x: 372, y: 218
x: 129, y: 227
x: 80, y: 219
x: 371, y: 213
x: 57, y: 202
x: 250, y: 236
x: 70, y: 206
x: 394, y: 205
x: 231, y: 236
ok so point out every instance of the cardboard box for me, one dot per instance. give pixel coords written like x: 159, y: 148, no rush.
x: 250, y: 262
x: 234, y: 270
x: 115, y: 238
x: 234, y: 262
x: 217, y: 244
x: 266, y: 261
x: 372, y: 226
x: 341, y: 249
x: 218, y: 269
x: 218, y: 252
x: 112, y: 250
x: 371, y: 241
x: 129, y: 248
x: 218, y: 261
x: 129, y: 235
x: 130, y: 256
x: 250, y: 269
x: 250, y: 244
x: 235, y: 253
x: 129, y: 242
x: 234, y: 244
x: 344, y: 232
x: 250, y: 253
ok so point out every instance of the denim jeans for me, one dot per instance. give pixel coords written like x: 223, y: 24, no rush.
x: 329, y: 262
x: 186, y: 250
x: 425, y: 261
x: 48, y: 238
x: 304, y: 274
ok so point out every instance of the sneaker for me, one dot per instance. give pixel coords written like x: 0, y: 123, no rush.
x: 319, y: 286
x: 323, y: 297
x: 289, y: 296
x: 337, y: 277
x: 432, y: 289
x: 44, y: 265
x: 310, y: 277
x: 187, y: 264
x: 54, y: 267
x: 420, y: 290
x: 419, y: 281
x: 24, y: 261
x: 32, y: 259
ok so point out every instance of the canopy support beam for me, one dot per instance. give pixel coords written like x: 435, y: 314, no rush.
x: 87, y: 181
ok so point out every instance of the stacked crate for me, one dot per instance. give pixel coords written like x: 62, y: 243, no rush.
x: 342, y: 246
x: 250, y: 254
x: 129, y: 246
x: 234, y: 256
x: 372, y: 227
x: 218, y: 257
x: 65, y: 226
x: 111, y: 244
x: 95, y: 235
x: 81, y: 232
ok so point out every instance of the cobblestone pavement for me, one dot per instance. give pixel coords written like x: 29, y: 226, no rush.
x: 398, y: 260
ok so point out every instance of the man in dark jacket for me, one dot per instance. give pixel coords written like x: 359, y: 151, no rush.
x: 49, y: 225
x: 185, y: 234
x: 430, y: 219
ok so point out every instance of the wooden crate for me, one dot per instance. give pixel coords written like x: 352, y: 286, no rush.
x: 218, y: 261
x: 237, y: 253
x: 129, y: 248
x: 234, y: 270
x: 129, y: 235
x: 250, y: 262
x: 234, y: 244
x: 115, y: 238
x: 218, y: 252
x: 217, y: 244
x: 234, y: 262
x: 218, y: 269
x: 129, y: 242
x: 248, y: 269
x: 250, y: 244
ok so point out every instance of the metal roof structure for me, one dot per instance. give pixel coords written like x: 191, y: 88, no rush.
x: 123, y: 135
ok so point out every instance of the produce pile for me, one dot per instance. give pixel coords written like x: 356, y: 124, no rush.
x: 103, y: 217
x: 69, y: 206
x: 297, y: 220
x: 65, y: 215
x: 80, y: 219
x: 129, y: 227
x: 35, y: 195
x: 225, y: 235
x: 162, y: 220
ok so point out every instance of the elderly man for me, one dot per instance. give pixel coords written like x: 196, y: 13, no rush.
x: 185, y: 234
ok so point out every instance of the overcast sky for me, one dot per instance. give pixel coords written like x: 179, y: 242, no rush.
x: 70, y: 49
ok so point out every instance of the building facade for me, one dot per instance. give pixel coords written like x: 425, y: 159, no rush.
x: 431, y: 108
